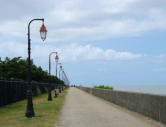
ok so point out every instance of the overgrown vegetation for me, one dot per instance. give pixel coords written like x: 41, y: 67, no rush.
x: 103, y: 87
x: 17, y: 68
x: 47, y: 112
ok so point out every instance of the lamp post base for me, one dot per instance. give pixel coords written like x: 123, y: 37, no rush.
x: 30, y: 111
x: 56, y: 92
x: 60, y: 90
x: 49, y: 95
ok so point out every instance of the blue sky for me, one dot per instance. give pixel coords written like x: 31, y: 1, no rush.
x: 109, y: 42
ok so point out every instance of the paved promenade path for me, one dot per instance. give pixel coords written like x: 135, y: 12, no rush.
x: 84, y: 110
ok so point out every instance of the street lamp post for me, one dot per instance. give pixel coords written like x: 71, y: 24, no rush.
x: 60, y: 69
x: 49, y: 92
x: 56, y: 60
x: 43, y: 32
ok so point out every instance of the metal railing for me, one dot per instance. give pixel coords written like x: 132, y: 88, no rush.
x: 13, y: 91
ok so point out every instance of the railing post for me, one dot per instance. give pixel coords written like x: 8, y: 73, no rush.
x: 1, y: 90
x: 49, y: 92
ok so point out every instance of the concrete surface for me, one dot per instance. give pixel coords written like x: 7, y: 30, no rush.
x: 153, y: 106
x: 84, y: 110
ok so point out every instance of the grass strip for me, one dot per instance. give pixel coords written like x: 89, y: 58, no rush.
x: 46, y: 112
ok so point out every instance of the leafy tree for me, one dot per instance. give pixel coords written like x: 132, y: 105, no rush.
x: 17, y: 69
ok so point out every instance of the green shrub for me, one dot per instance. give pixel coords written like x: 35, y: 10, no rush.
x: 103, y: 87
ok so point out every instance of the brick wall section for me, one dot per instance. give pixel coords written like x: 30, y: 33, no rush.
x: 153, y: 106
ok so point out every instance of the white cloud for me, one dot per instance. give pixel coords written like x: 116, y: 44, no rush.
x: 19, y: 9
x: 76, y: 52
x: 12, y: 49
x: 88, y: 20
x: 13, y: 28
x: 107, y: 19
x: 67, y: 53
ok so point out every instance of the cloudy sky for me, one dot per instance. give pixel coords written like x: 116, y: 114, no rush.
x: 111, y: 42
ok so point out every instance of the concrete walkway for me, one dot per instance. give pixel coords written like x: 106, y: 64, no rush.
x: 84, y: 110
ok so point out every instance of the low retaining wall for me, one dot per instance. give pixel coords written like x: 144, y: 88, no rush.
x: 153, y: 106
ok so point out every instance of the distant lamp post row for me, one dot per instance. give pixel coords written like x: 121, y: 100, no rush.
x: 56, y: 60
x: 57, y: 63
x: 43, y: 32
x: 60, y: 69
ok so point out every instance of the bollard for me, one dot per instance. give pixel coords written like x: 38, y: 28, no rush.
x: 56, y: 92
x: 60, y: 90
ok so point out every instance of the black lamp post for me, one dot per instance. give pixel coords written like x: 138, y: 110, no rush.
x: 43, y: 32
x: 60, y: 69
x: 56, y: 60
x: 49, y: 92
